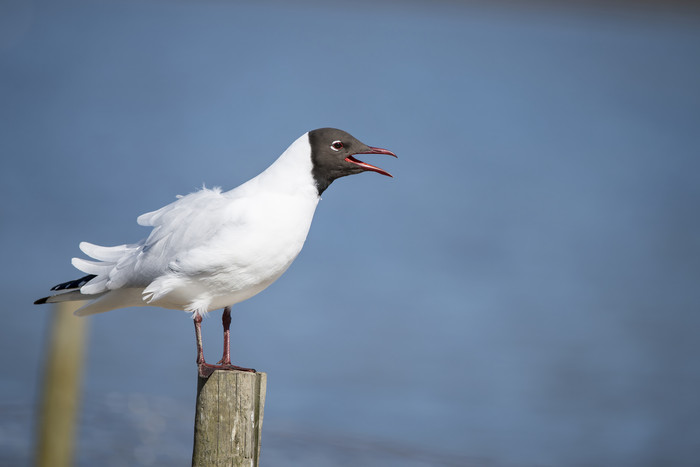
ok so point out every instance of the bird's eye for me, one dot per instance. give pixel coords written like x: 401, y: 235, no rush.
x: 337, y: 145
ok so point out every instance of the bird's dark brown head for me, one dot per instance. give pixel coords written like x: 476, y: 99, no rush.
x: 332, y: 156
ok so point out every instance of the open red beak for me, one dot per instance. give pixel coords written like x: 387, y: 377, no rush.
x: 370, y: 167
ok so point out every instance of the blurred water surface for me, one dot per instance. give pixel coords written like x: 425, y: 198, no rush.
x: 523, y: 292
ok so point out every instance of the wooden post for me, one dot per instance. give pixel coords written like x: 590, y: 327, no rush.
x: 61, y: 388
x: 228, y: 419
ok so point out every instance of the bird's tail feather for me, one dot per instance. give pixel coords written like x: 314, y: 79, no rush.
x: 105, y: 301
x: 73, y: 295
x: 120, y: 298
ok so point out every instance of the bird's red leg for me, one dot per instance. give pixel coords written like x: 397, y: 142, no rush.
x: 198, y: 336
x: 226, y: 322
x: 206, y: 369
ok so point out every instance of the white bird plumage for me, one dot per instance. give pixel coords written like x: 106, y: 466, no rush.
x: 208, y: 249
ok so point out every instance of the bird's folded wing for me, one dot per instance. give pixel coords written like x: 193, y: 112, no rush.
x: 178, y: 229
x: 183, y: 228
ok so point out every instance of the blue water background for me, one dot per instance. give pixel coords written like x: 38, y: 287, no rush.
x: 524, y: 292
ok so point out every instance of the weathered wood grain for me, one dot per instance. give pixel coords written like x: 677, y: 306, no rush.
x: 228, y: 419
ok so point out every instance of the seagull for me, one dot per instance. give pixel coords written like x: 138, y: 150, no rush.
x: 213, y: 249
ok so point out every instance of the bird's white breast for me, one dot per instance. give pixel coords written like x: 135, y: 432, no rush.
x: 254, y: 258
x: 264, y: 224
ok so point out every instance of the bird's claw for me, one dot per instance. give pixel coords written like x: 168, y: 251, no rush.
x: 206, y: 369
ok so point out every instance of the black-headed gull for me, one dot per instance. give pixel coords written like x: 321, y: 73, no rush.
x: 212, y: 249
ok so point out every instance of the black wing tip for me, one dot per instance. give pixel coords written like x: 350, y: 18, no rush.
x: 74, y: 284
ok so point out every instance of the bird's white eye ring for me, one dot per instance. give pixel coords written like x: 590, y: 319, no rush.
x: 337, y: 145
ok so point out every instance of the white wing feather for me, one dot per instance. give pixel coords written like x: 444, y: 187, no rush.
x: 209, y: 249
x: 178, y: 228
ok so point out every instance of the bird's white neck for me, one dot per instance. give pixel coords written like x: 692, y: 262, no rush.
x: 290, y: 173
